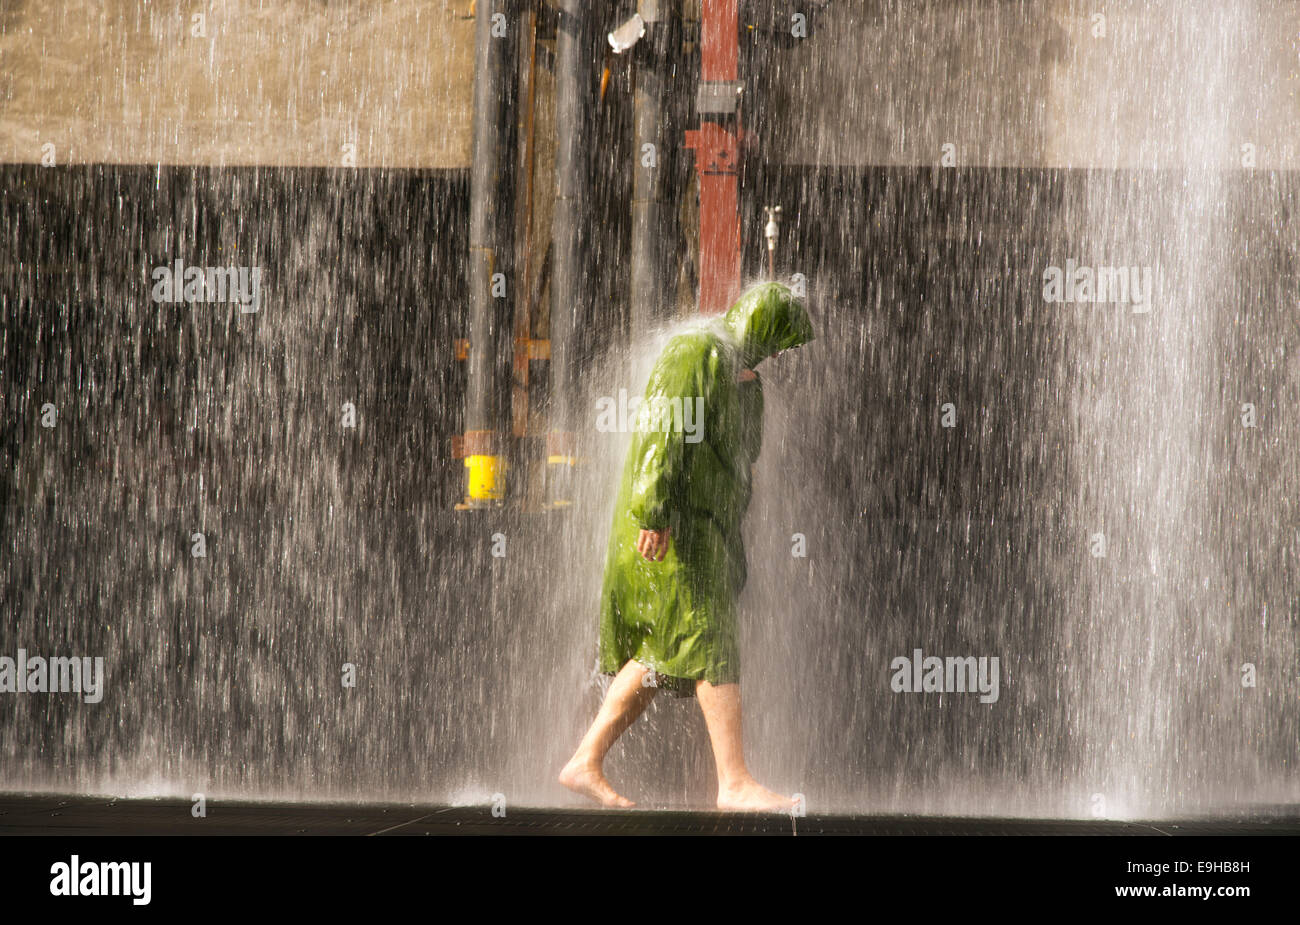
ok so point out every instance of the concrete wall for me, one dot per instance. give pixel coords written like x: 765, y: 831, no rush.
x: 1037, y: 84
x: 276, y: 83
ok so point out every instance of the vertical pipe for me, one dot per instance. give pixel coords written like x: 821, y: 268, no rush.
x: 523, y: 243
x: 653, y: 217
x: 720, y: 40
x: 717, y: 160
x: 526, y: 483
x: 570, y: 314
x: 490, y: 234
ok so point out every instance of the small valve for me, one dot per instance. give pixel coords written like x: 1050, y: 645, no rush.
x: 771, y: 232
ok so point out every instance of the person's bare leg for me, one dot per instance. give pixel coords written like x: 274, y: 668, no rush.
x: 627, y: 698
x: 737, y: 789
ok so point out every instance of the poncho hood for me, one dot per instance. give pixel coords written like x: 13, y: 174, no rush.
x: 768, y: 318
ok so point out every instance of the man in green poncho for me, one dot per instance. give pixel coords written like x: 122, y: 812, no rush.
x: 676, y: 562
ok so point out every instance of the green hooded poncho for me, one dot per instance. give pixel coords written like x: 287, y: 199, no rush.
x: 692, y: 474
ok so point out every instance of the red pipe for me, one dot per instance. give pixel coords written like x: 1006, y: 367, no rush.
x: 720, y: 40
x: 717, y: 161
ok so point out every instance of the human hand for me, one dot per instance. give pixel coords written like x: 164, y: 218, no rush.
x: 653, y: 544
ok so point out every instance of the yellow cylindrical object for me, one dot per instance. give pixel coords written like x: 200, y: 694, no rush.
x: 486, y: 477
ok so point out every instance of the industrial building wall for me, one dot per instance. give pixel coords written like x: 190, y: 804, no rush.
x: 1006, y: 82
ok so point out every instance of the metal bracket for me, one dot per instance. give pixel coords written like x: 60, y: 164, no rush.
x: 718, y: 97
x: 717, y: 151
x: 650, y: 10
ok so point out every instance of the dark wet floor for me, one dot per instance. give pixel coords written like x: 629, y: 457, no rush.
x: 57, y: 814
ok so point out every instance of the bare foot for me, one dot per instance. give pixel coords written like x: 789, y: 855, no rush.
x: 753, y: 797
x: 589, y: 781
